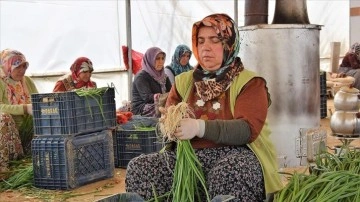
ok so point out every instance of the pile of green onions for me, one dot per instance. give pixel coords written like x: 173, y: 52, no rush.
x: 22, y: 177
x: 334, y: 177
x: 331, y: 186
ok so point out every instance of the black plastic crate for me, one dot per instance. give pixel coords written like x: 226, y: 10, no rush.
x: 132, y: 143
x: 323, y: 106
x: 323, y: 87
x: 66, y: 162
x: 67, y: 113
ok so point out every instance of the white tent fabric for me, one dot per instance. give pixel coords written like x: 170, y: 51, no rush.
x: 53, y: 33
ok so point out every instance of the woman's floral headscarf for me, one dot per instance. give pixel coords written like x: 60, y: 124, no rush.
x: 17, y: 91
x: 211, y: 84
x: 175, y: 65
x: 81, y: 64
x: 11, y: 59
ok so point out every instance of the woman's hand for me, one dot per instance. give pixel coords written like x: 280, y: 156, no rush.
x: 28, y: 109
x: 156, y: 97
x: 190, y: 128
x: 163, y: 112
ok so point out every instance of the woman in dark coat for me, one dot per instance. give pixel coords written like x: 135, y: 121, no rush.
x: 150, y: 83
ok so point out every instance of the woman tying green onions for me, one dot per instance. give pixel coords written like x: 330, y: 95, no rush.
x: 229, y: 133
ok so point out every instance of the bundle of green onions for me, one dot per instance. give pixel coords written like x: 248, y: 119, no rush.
x: 189, y: 180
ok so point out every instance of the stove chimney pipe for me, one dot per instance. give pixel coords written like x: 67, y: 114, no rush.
x: 256, y: 12
x: 290, y: 12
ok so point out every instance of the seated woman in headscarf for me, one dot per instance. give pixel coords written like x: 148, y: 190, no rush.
x: 150, y: 83
x: 179, y: 62
x: 80, y: 76
x: 350, y: 65
x: 16, y: 127
x: 228, y: 132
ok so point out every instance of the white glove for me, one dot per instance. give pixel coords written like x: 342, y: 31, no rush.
x: 190, y: 128
x: 29, y: 109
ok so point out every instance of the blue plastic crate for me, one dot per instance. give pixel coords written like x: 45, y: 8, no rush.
x: 67, y: 162
x: 132, y: 143
x: 67, y: 113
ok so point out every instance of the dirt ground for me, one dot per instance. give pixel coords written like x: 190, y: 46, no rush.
x: 105, y: 188
x: 90, y: 192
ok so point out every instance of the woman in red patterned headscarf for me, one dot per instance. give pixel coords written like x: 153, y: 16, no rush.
x: 79, y: 77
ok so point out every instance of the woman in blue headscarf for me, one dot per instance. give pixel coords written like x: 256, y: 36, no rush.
x: 179, y: 62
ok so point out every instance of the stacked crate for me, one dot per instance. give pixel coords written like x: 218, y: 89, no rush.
x: 73, y: 142
x: 323, y: 95
x: 138, y: 136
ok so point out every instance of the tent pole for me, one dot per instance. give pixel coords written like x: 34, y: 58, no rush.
x: 236, y: 12
x: 129, y: 45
